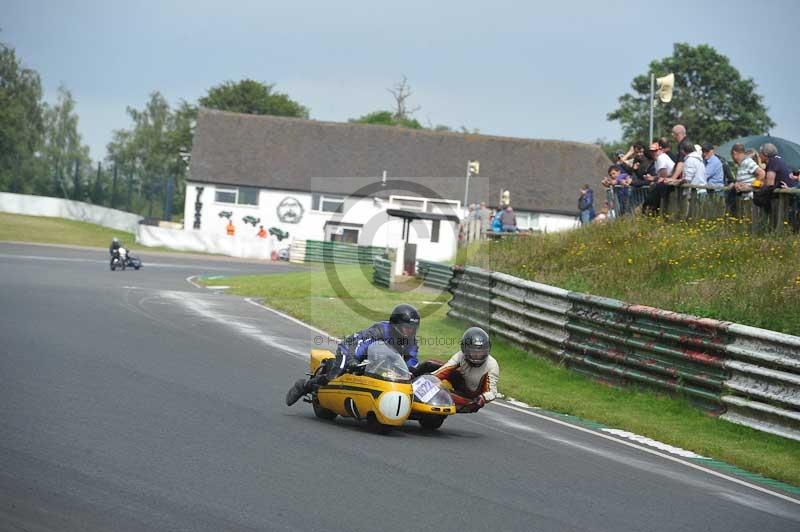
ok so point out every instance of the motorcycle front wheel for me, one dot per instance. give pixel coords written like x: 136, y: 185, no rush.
x: 322, y: 412
x: 376, y: 426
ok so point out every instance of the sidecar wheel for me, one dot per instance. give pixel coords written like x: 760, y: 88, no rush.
x: 431, y: 422
x: 322, y: 412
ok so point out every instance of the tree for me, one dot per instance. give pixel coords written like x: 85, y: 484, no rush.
x: 252, y: 97
x: 147, y: 156
x: 153, y: 150
x: 387, y: 118
x: 710, y: 98
x: 21, y: 125
x: 402, y: 92
x: 401, y: 116
x: 121, y: 156
x: 66, y: 160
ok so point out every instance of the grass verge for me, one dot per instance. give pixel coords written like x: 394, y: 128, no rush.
x: 709, y: 268
x: 310, y: 297
x: 46, y: 230
x: 20, y: 228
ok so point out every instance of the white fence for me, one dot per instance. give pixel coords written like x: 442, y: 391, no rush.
x: 71, y: 210
x: 234, y: 246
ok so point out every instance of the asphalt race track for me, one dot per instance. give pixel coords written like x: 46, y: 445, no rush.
x: 136, y: 401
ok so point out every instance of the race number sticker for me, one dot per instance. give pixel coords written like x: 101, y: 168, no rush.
x: 424, y: 390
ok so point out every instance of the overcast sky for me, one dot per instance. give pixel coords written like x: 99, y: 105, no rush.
x: 513, y: 68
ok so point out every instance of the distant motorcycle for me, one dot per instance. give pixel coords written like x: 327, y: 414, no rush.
x: 117, y: 261
x: 131, y: 261
x: 124, y: 259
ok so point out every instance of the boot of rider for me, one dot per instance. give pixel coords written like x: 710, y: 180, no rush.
x: 298, y: 390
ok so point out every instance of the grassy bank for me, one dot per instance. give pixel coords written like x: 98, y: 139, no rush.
x: 312, y: 298
x: 709, y: 268
x: 19, y: 228
x: 45, y: 230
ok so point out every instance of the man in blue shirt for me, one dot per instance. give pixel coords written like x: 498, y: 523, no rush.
x: 715, y: 174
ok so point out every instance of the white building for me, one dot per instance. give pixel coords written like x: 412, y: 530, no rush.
x: 330, y: 217
x: 326, y: 181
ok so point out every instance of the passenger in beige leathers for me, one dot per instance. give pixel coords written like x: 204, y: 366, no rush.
x: 472, y: 372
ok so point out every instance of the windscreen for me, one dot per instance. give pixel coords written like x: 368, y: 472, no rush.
x: 428, y: 389
x: 385, y: 363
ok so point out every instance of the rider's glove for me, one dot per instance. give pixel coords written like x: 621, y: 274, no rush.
x: 473, y: 406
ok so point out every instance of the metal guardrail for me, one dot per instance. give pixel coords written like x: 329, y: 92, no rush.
x: 434, y: 274
x: 743, y: 374
x: 382, y: 272
x: 340, y: 252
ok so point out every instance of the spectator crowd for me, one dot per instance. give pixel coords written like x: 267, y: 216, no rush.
x: 482, y: 222
x: 644, y: 175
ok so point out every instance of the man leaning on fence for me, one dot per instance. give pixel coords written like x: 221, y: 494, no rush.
x: 694, y: 168
x: 715, y: 173
x: 747, y: 172
x: 663, y: 168
x: 777, y: 176
x: 679, y: 136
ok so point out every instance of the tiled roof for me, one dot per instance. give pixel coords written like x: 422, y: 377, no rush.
x: 308, y: 155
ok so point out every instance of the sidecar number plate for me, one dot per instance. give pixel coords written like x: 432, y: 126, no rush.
x: 424, y: 390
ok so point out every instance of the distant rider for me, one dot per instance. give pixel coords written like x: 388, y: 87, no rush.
x: 399, y: 333
x: 113, y: 249
x: 472, y: 372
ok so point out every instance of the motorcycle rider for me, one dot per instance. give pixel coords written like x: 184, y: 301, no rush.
x: 113, y: 249
x: 399, y: 333
x: 472, y: 372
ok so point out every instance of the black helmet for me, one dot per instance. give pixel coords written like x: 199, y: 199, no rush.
x: 405, y: 322
x: 475, y: 344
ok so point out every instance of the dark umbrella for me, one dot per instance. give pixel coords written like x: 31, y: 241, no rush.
x: 788, y: 150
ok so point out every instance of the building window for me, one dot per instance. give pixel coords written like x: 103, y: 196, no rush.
x: 247, y: 196
x: 410, y: 204
x: 327, y: 203
x: 240, y: 195
x: 225, y: 196
x: 435, y: 231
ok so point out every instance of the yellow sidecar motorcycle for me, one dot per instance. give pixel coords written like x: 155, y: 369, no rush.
x: 378, y: 390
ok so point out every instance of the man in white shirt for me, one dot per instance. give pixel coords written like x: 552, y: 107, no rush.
x: 664, y: 164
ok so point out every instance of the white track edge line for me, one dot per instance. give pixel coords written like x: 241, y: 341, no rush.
x: 290, y: 318
x: 191, y: 282
x: 652, y: 451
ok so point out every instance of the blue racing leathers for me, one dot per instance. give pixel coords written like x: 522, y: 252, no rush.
x: 353, y: 349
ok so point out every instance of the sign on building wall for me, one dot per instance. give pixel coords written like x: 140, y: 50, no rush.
x: 290, y: 210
